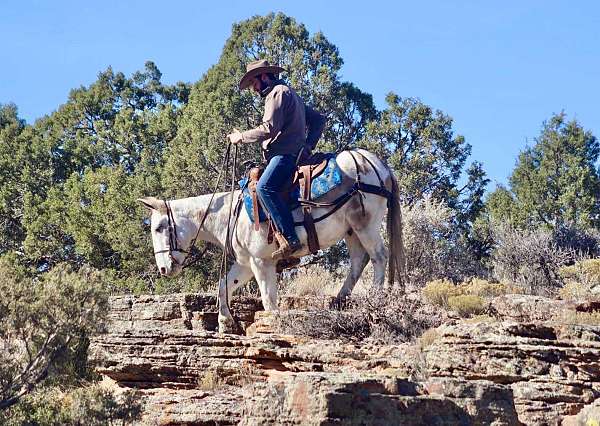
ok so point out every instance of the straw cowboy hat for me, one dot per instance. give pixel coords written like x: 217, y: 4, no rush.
x: 255, y: 68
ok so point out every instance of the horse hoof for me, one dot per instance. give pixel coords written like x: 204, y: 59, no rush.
x: 226, y: 325
x: 339, y: 303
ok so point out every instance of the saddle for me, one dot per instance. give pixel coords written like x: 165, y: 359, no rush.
x: 308, y: 169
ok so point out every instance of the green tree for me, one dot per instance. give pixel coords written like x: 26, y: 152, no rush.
x: 216, y: 105
x: 555, y: 182
x: 105, y: 148
x: 11, y: 127
x: 427, y: 157
x: 24, y: 173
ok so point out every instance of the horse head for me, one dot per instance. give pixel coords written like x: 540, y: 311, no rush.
x: 171, y: 235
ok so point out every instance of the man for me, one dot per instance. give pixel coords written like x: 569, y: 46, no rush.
x: 289, y: 129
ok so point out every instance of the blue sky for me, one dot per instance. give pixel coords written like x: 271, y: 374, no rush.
x: 498, y: 68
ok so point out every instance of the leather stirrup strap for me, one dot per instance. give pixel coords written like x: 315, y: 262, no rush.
x: 309, y: 224
x: 255, y: 214
x: 271, y: 231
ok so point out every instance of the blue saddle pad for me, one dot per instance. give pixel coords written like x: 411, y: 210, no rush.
x: 321, y: 185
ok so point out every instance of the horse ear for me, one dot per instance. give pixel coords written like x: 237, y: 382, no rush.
x: 152, y: 203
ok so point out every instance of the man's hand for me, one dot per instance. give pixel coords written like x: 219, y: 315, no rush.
x: 235, y: 137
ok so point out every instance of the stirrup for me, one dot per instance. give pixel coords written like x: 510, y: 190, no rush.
x: 285, y: 249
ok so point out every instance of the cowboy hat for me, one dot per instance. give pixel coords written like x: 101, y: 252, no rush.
x: 255, y: 68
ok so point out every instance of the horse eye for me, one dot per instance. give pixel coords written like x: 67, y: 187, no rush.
x: 159, y: 228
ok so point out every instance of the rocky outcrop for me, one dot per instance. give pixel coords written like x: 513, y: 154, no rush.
x: 526, y: 308
x: 553, y: 370
x: 499, y: 372
x: 364, y: 399
x: 175, y: 312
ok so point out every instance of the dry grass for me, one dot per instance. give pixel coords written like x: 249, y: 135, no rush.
x: 484, y: 288
x: 581, y: 280
x: 585, y: 271
x: 438, y: 292
x: 574, y: 290
x: 312, y: 281
x: 428, y: 338
x: 210, y: 380
x: 476, y: 319
x: 579, y: 318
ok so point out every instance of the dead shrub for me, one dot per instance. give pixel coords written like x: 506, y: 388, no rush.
x: 388, y: 316
x: 434, y: 245
x: 467, y: 305
x: 584, y: 242
x: 529, y: 259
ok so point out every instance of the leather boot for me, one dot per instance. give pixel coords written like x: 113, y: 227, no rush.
x: 286, y: 249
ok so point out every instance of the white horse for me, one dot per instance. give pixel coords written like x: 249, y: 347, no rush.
x: 175, y: 226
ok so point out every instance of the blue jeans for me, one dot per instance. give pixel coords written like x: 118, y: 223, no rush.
x: 276, y: 176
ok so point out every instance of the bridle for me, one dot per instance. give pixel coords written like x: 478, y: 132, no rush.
x: 173, y: 242
x: 173, y: 245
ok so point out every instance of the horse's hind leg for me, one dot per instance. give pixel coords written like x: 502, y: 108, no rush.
x: 358, y: 260
x: 237, y: 276
x: 372, y: 241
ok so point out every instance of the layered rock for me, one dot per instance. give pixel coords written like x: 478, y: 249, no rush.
x: 500, y: 372
x: 553, y: 370
x: 365, y: 399
x: 175, y: 311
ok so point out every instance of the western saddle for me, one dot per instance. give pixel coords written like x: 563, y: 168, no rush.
x: 307, y: 171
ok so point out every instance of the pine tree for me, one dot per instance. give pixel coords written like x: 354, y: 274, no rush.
x: 555, y: 182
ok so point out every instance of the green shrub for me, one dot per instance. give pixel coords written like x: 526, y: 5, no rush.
x: 45, y: 323
x: 484, y: 288
x: 89, y: 405
x: 467, y: 304
x: 439, y: 291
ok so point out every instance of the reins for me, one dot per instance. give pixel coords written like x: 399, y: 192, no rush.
x: 228, y: 246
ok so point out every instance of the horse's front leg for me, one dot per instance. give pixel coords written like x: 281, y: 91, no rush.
x: 266, y: 277
x: 237, y: 276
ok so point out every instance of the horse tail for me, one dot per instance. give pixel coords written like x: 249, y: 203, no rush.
x: 397, y: 258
